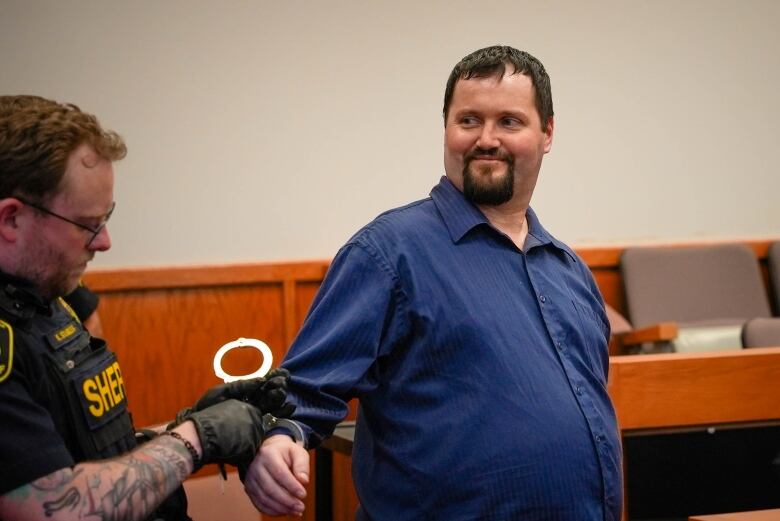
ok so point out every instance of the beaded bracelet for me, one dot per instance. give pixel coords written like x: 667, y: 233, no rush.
x: 196, y: 464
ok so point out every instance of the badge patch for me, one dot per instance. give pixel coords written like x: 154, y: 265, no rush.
x: 6, y: 349
x: 101, y: 390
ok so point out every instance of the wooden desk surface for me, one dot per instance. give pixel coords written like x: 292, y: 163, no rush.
x: 758, y: 515
x: 686, y: 390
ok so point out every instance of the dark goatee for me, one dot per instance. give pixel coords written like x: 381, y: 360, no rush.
x: 490, y: 193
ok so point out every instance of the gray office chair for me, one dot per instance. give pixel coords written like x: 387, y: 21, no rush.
x: 761, y: 332
x: 709, y: 292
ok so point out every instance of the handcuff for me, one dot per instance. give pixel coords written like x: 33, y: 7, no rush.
x: 269, y: 420
x: 268, y: 359
x: 290, y: 427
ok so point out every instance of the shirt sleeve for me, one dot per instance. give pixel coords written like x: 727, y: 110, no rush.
x: 30, y: 446
x: 355, y: 320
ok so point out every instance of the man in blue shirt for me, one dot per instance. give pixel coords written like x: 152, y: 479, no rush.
x: 475, y: 341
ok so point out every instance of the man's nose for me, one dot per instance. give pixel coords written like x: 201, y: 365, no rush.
x: 102, y: 241
x: 488, y: 138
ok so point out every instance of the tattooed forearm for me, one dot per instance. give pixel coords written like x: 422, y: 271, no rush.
x: 176, y: 455
x: 68, y: 501
x: 57, y: 481
x: 129, y: 487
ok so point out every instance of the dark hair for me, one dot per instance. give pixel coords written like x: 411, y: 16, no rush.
x: 37, y: 136
x: 492, y: 61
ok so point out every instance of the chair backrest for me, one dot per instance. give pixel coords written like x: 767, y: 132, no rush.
x: 761, y: 332
x: 703, y: 285
x: 773, y: 262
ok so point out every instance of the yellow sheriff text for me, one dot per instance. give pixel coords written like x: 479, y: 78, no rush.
x: 105, y: 390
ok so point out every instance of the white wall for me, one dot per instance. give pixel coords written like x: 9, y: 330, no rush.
x: 270, y: 130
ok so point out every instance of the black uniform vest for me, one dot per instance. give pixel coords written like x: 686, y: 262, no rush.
x: 85, y: 393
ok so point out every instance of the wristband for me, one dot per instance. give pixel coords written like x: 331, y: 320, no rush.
x: 196, y: 464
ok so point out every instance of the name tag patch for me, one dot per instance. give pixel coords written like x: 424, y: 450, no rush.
x: 63, y: 335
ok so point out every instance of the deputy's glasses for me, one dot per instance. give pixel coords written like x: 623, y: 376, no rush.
x: 94, y: 231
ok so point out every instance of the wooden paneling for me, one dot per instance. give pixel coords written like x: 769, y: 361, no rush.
x: 166, y: 340
x: 345, y: 501
x: 677, y: 391
x: 200, y: 276
x: 682, y: 390
x: 758, y: 515
x: 166, y: 325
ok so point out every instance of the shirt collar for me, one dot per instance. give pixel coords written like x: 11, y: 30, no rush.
x: 8, y: 280
x: 458, y: 214
x: 539, y: 236
x: 19, y: 296
x: 461, y: 216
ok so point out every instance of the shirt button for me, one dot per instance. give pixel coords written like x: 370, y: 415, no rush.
x: 599, y: 438
x: 542, y: 298
x: 559, y: 346
x: 579, y: 390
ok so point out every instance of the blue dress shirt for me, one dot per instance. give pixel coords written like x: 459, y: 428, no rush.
x: 481, y: 370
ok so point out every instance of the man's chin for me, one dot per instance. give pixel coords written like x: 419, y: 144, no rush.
x: 488, y: 187
x: 71, y: 287
x: 488, y: 183
x: 72, y: 282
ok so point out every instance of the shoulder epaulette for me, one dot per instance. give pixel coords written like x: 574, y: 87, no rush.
x: 69, y: 309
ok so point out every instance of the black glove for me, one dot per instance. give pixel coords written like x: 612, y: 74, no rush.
x: 229, y: 432
x: 267, y: 394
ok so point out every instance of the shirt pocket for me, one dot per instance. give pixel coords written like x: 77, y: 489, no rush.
x: 592, y: 337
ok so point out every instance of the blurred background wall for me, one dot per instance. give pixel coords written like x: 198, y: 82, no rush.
x: 262, y: 130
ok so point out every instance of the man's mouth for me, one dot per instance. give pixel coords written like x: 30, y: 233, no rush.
x: 84, y: 264
x: 487, y: 158
x: 492, y: 156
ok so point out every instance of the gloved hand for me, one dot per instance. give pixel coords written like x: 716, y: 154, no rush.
x: 229, y: 432
x: 267, y: 394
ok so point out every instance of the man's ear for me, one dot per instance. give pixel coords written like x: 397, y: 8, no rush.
x: 9, y: 213
x: 548, y: 133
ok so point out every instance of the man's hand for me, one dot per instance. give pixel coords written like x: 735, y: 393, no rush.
x: 267, y: 394
x: 229, y: 432
x: 276, y: 478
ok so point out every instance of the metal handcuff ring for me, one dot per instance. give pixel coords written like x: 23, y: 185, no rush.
x: 269, y: 421
x: 261, y: 346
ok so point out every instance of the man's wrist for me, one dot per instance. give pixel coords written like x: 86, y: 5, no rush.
x: 273, y: 425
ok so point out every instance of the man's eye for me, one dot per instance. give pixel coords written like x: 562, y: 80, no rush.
x: 469, y: 121
x: 92, y: 223
x: 511, y: 122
